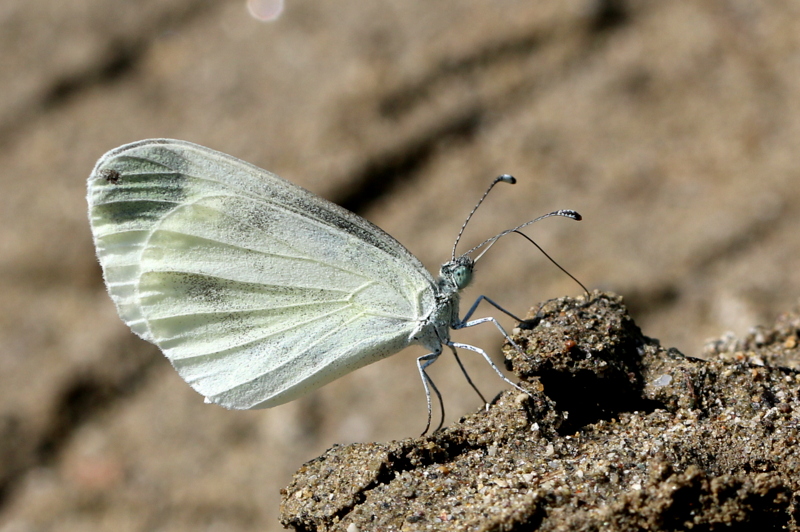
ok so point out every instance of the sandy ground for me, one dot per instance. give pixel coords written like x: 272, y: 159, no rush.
x: 672, y: 127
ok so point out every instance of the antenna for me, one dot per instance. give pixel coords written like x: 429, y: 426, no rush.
x: 554, y: 262
x: 567, y: 213
x: 505, y: 178
x: 573, y: 215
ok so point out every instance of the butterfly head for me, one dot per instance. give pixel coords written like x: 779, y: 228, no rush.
x: 456, y: 274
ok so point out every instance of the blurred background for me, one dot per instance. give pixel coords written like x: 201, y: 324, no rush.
x: 673, y: 127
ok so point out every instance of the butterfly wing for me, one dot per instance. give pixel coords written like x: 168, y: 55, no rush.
x: 254, y: 288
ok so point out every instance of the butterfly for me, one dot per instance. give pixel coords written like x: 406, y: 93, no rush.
x: 256, y: 289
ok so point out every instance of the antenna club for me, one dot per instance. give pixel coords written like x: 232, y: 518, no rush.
x: 506, y: 178
x: 575, y: 215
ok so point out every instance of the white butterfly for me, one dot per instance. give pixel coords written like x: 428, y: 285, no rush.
x: 255, y: 289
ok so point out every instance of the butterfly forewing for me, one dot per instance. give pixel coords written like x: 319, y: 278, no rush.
x: 254, y: 288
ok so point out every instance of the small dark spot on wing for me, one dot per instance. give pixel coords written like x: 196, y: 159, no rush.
x: 110, y: 175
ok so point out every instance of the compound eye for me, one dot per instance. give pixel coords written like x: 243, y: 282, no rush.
x: 462, y: 275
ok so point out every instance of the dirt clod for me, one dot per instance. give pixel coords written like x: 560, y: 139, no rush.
x: 618, y: 433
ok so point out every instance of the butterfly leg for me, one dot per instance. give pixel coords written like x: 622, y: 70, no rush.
x: 465, y: 321
x: 466, y: 375
x: 422, y: 363
x: 488, y: 359
x: 474, y: 306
